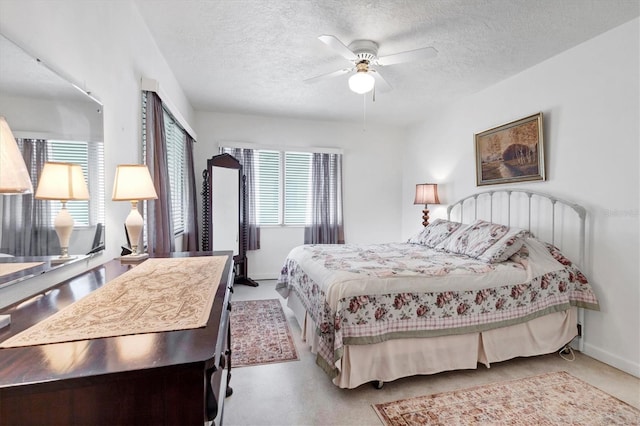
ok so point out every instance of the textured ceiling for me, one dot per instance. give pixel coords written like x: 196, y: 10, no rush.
x: 251, y: 56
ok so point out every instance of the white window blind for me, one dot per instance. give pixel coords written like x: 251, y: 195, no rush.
x: 297, y: 182
x: 176, y: 163
x: 90, y: 156
x: 175, y: 139
x: 267, y: 190
x: 282, y: 186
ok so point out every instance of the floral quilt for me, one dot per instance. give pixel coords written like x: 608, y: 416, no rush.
x: 367, y: 294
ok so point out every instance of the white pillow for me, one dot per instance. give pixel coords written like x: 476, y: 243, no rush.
x: 474, y: 239
x: 506, y: 246
x: 435, y: 232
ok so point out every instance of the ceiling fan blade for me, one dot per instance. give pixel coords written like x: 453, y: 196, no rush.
x: 409, y: 56
x: 381, y: 83
x: 328, y: 76
x: 338, y: 46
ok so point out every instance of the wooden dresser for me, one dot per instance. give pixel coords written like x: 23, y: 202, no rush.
x: 167, y: 378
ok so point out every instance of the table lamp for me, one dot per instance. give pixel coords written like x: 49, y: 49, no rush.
x: 426, y: 193
x: 62, y: 182
x: 133, y: 183
x: 14, y: 176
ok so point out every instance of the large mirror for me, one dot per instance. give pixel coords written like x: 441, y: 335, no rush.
x: 224, y: 215
x: 65, y: 124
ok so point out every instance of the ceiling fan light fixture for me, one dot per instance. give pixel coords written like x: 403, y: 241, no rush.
x: 361, y: 82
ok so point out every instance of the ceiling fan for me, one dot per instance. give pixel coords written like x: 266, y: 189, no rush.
x: 366, y: 63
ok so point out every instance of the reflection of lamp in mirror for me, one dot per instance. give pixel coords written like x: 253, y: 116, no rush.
x: 133, y: 183
x: 426, y: 193
x: 14, y: 176
x: 62, y: 182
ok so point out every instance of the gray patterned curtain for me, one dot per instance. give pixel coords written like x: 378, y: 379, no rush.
x: 245, y: 157
x: 326, y: 225
x: 26, y: 230
x: 160, y: 238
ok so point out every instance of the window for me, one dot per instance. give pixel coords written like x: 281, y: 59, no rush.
x: 297, y: 184
x: 176, y: 163
x: 283, y: 181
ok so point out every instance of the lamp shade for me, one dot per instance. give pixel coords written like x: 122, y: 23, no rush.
x: 361, y: 82
x: 426, y: 193
x: 14, y: 176
x: 62, y: 181
x: 133, y: 182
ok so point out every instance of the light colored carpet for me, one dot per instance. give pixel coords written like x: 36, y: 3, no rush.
x: 158, y: 295
x: 260, y: 334
x: 549, y: 399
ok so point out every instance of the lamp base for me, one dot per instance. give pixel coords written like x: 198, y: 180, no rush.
x: 425, y: 217
x: 133, y: 258
x: 60, y: 260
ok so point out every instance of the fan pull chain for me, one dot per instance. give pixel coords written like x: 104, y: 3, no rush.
x: 364, y: 112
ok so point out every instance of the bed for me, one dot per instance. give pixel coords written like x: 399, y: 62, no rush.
x: 493, y: 281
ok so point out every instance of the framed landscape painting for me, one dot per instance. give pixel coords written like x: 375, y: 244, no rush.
x: 513, y: 152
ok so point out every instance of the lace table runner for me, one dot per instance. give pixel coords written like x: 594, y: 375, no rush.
x: 158, y: 295
x: 10, y: 268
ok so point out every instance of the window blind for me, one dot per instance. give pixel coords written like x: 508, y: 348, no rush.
x: 90, y: 156
x: 176, y: 163
x: 297, y: 181
x: 175, y: 140
x: 268, y: 174
x: 283, y: 185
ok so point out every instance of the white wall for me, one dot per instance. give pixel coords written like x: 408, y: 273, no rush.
x: 52, y: 119
x: 103, y: 46
x: 590, y: 99
x: 371, y: 175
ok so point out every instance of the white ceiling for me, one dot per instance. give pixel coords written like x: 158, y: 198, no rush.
x: 251, y: 56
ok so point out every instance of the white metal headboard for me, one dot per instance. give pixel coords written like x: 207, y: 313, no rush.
x: 524, y: 208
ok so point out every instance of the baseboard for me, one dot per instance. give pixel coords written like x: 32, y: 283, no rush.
x: 625, y: 365
x: 263, y: 276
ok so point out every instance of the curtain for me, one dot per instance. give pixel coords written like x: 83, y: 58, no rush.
x: 190, y: 236
x: 160, y: 238
x: 325, y: 225
x: 245, y: 157
x: 26, y: 228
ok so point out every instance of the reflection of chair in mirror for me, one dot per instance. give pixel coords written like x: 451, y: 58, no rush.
x: 98, y: 243
x: 224, y: 214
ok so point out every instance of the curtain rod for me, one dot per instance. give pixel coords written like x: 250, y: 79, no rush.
x: 151, y: 85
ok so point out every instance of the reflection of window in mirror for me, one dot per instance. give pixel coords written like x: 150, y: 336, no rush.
x: 91, y: 158
x: 30, y: 230
x: 67, y: 126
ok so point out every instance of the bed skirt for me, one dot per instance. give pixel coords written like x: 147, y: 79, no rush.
x: 393, y: 359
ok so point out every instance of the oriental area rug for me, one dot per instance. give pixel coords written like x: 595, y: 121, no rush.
x: 550, y: 399
x: 157, y: 295
x: 260, y: 334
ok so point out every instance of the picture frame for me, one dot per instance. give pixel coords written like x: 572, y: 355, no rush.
x: 512, y: 152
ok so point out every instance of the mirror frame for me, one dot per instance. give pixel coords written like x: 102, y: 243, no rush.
x: 239, y: 260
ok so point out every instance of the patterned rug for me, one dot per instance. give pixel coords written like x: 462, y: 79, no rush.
x: 260, y: 334
x: 549, y: 399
